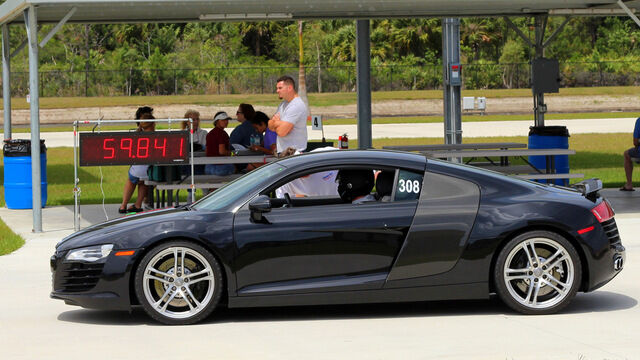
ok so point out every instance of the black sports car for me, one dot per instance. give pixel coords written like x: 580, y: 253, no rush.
x: 351, y: 226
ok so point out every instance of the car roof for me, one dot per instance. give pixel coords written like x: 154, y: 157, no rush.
x: 357, y: 157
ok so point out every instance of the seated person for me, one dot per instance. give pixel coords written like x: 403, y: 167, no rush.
x: 260, y: 124
x: 244, y: 134
x: 199, y: 140
x: 384, y: 185
x: 322, y: 183
x: 137, y: 174
x: 218, y: 145
x: 355, y: 185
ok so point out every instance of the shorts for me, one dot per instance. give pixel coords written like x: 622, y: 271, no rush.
x: 634, y: 152
x: 134, y: 180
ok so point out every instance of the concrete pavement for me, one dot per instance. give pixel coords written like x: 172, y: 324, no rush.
x: 599, y: 325
x: 404, y: 130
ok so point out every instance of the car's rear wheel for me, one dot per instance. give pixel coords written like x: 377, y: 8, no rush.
x: 178, y: 283
x: 538, y: 272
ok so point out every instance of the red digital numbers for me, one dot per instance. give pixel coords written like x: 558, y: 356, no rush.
x: 143, y: 148
x: 129, y: 148
x: 125, y: 144
x: 111, y: 149
x: 163, y: 147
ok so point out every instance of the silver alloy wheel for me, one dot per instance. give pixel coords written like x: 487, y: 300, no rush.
x: 539, y: 273
x: 178, y: 282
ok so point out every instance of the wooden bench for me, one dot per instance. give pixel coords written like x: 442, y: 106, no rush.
x: 448, y: 147
x: 549, y: 176
x: 510, y: 169
x: 199, y: 182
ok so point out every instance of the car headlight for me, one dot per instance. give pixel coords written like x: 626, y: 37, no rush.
x: 90, y: 254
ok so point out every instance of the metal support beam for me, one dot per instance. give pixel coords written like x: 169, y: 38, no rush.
x: 539, y: 107
x: 6, y: 81
x: 363, y: 73
x: 451, y: 55
x: 520, y: 33
x: 556, y: 32
x: 58, y: 26
x: 629, y: 12
x: 19, y: 48
x: 31, y: 23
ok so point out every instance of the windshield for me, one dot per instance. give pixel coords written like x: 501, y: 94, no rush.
x: 235, y: 190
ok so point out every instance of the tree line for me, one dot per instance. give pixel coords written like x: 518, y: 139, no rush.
x: 327, y: 43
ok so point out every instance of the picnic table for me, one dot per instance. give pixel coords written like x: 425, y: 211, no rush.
x: 504, y: 161
x: 549, y: 154
x: 204, y: 181
x: 466, y: 146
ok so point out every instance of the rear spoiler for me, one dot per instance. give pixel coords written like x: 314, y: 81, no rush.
x: 589, y: 187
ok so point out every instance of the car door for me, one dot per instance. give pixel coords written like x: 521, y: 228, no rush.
x: 321, y: 247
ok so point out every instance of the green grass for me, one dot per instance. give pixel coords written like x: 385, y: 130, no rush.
x: 323, y: 99
x: 9, y: 241
x: 375, y: 120
x: 597, y: 155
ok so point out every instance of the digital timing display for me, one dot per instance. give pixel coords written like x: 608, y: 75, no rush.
x: 134, y: 148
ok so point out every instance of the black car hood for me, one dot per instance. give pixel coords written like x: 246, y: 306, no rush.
x: 134, y: 230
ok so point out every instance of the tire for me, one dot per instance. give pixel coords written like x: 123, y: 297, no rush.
x: 543, y: 284
x: 171, y: 296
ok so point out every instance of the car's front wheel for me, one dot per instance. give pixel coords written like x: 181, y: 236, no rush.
x: 178, y: 283
x: 538, y: 272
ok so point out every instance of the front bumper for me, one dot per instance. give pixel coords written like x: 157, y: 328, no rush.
x: 101, y: 285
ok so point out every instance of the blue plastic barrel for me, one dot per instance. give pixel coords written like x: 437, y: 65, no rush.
x: 17, y: 174
x: 550, y: 137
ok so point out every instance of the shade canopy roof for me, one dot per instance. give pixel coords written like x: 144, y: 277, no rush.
x: 177, y: 11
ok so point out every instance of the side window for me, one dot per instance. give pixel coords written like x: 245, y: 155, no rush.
x: 408, y: 186
x: 322, y: 183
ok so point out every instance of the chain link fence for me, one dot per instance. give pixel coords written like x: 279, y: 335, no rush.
x: 257, y: 80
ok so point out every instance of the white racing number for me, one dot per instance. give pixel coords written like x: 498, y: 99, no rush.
x: 409, y: 186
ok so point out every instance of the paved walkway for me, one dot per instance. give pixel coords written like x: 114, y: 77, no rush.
x: 599, y: 325
x: 403, y: 130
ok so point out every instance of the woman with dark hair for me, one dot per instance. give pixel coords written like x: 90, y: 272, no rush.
x: 244, y: 134
x: 137, y: 174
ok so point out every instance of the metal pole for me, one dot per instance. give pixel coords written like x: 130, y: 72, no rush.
x: 539, y: 106
x: 193, y: 186
x: 6, y: 81
x: 451, y: 93
x: 31, y: 23
x: 76, y: 180
x: 363, y: 71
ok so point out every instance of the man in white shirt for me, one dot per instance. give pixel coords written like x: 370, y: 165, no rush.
x: 290, y: 121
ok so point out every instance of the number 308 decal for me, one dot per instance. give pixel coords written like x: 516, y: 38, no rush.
x: 409, y: 186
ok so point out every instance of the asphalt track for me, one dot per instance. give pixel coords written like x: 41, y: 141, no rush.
x: 414, y: 130
x: 599, y: 325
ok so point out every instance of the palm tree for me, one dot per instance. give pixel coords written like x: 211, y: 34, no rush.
x: 302, y: 83
x: 257, y: 35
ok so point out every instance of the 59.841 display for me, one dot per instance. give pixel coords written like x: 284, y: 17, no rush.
x: 134, y: 148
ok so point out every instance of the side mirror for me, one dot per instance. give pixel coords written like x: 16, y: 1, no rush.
x: 259, y: 206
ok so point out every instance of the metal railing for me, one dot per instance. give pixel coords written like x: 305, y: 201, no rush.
x: 257, y: 80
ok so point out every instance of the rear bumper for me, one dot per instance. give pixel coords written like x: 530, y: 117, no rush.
x: 605, y: 255
x: 608, y: 267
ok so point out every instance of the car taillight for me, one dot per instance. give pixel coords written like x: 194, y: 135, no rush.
x: 603, y: 211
